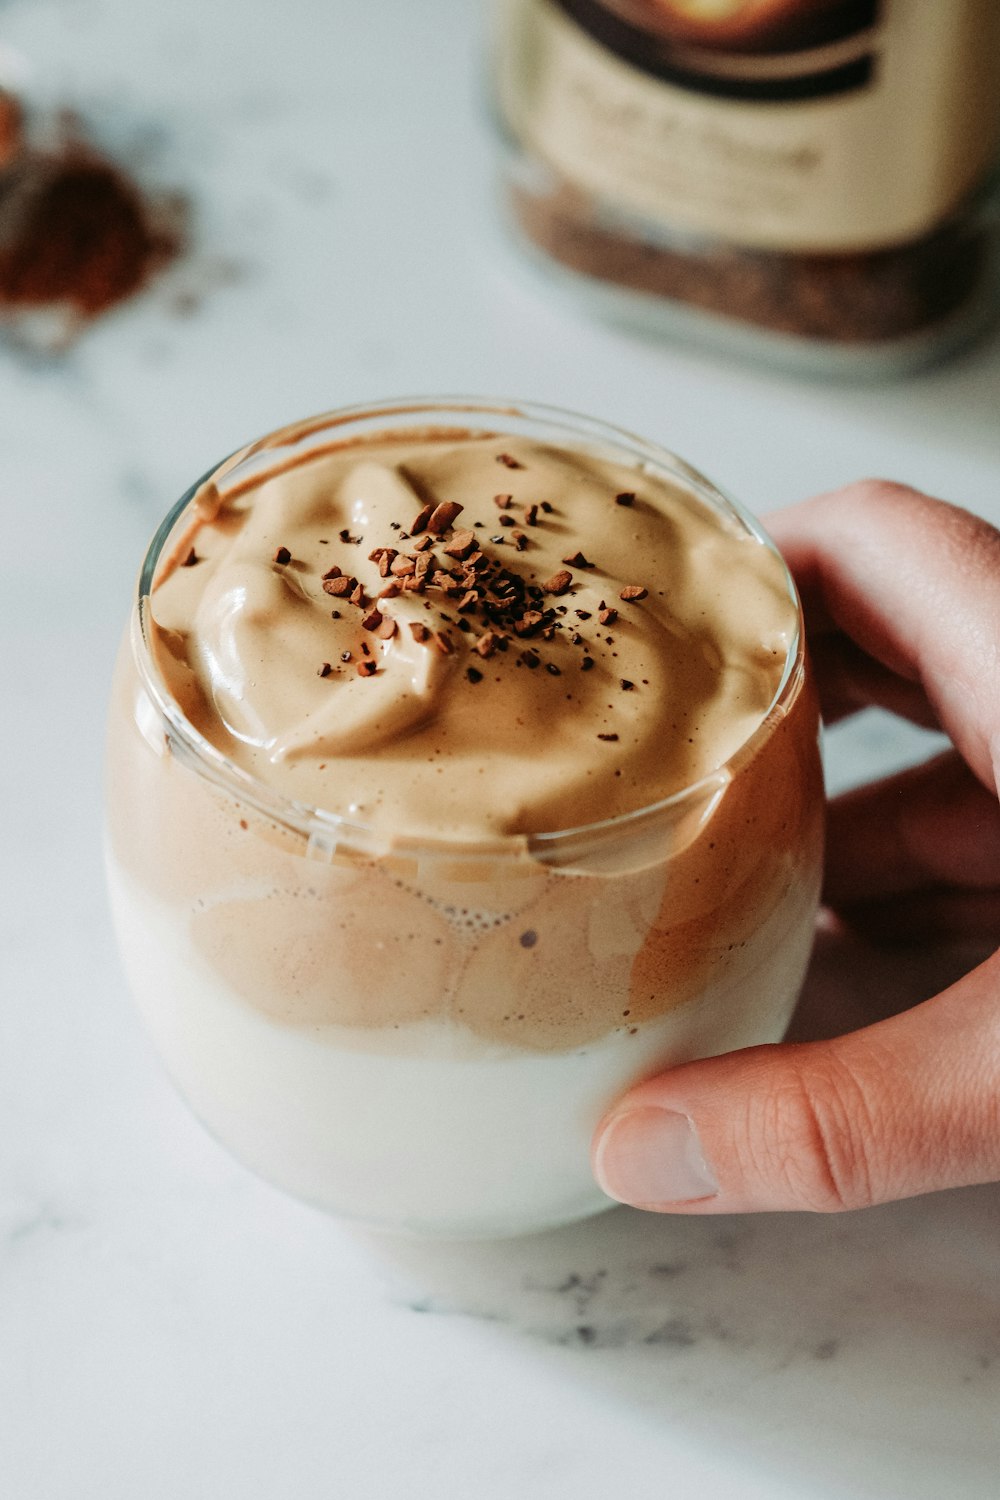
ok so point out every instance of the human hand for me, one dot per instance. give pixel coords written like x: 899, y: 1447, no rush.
x: 901, y: 595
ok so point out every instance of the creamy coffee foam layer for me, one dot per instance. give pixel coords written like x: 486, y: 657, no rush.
x: 469, y: 635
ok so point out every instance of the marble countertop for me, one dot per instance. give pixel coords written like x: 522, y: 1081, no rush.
x: 171, y: 1328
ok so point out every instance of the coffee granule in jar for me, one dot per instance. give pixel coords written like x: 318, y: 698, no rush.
x: 762, y: 174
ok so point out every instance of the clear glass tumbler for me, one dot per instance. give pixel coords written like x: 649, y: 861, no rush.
x: 346, y: 1013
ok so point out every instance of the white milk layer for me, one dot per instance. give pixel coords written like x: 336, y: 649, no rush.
x: 425, y: 1129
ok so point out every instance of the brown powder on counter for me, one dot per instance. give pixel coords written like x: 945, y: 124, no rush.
x: 74, y: 229
x: 11, y: 120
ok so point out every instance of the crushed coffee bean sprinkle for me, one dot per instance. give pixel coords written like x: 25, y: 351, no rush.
x: 559, y: 583
x: 443, y: 516
x: 479, y: 586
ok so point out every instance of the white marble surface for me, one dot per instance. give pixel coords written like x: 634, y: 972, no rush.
x: 169, y: 1327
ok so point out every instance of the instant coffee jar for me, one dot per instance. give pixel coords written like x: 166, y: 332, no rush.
x: 810, y: 181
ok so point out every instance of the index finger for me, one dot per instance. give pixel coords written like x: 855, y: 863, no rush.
x: 915, y: 583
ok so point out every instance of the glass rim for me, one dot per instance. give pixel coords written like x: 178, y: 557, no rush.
x: 329, y: 829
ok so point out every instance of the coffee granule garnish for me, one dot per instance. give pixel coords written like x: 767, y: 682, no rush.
x: 359, y: 597
x: 333, y: 573
x: 586, y: 664
x: 419, y: 632
x: 519, y: 539
x: 340, y: 588
x: 345, y: 656
x: 503, y: 502
x: 473, y: 674
x: 419, y: 522
x: 387, y: 629
x: 509, y: 461
x: 347, y: 539
x: 391, y: 591
x: 607, y: 736
x: 366, y: 669
x: 325, y: 670
x: 626, y: 686
x: 559, y: 583
x: 528, y: 623
x: 486, y: 644
x: 627, y: 497
x: 508, y: 520
x: 531, y: 515
x: 582, y: 614
x: 443, y: 516
x: 335, y: 614
x: 372, y: 620
x: 528, y: 939
x: 531, y: 659
x: 577, y: 560
x: 423, y: 542
x: 547, y: 507
x: 552, y: 669
x: 282, y: 556
x: 402, y: 566
x: 461, y: 544
x: 607, y: 616
x: 633, y: 591
x: 444, y: 642
x: 191, y: 559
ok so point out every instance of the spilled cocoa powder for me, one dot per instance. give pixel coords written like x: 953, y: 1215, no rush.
x: 75, y: 230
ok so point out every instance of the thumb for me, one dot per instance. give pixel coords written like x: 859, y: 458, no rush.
x: 903, y: 1107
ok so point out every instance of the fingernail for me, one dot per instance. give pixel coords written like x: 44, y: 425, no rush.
x: 650, y: 1157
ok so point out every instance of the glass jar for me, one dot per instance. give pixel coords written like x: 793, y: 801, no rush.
x: 422, y: 1034
x: 807, y: 182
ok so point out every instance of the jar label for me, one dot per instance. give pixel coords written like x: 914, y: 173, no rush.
x: 796, y: 125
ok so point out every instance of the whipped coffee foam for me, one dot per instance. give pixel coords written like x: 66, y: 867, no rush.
x: 461, y: 642
x: 472, y: 635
